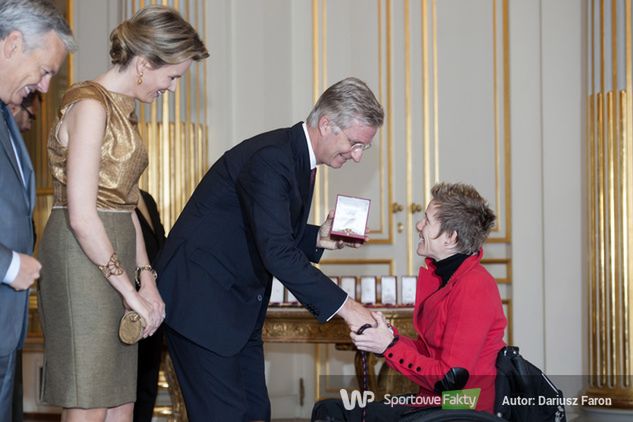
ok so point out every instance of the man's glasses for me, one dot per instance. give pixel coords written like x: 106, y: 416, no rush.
x: 31, y: 115
x: 359, y: 146
x: 356, y: 146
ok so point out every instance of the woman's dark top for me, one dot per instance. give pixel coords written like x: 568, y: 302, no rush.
x: 446, y: 267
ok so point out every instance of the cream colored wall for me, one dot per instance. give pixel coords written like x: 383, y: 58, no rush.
x: 92, y: 23
x: 563, y: 139
x: 260, y: 77
x: 548, y: 135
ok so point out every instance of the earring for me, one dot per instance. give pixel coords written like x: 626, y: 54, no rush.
x: 140, y: 79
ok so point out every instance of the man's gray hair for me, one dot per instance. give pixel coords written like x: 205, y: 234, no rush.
x: 345, y: 102
x: 34, y: 18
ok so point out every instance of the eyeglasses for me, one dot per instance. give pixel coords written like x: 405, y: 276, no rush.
x: 356, y: 146
x: 31, y: 115
x: 359, y: 146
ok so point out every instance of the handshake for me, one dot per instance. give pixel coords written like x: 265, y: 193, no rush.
x: 370, y: 332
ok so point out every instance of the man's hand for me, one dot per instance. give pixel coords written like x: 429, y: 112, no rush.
x: 376, y: 339
x: 27, y: 274
x: 356, y: 315
x: 326, y: 242
x: 149, y: 292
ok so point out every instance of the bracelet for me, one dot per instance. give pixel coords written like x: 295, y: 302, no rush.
x: 393, y: 342
x: 137, y: 274
x: 112, y: 267
x: 362, y: 329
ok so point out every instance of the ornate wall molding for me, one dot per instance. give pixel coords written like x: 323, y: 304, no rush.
x: 610, y: 211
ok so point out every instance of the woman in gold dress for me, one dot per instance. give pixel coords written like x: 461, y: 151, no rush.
x: 92, y: 246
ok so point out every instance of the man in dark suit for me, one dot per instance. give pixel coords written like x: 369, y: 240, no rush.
x: 150, y: 349
x: 245, y: 223
x: 24, y: 116
x: 34, y: 41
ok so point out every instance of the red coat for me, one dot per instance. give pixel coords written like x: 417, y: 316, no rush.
x: 459, y: 325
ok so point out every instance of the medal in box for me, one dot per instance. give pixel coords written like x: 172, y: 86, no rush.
x: 350, y: 217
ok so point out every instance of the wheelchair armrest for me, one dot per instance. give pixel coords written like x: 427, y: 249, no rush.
x: 455, y: 379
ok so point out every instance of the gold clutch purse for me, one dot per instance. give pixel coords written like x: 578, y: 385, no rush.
x: 131, y: 327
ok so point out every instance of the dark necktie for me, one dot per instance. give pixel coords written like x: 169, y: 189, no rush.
x: 14, y: 138
x: 313, y: 176
x: 311, y: 186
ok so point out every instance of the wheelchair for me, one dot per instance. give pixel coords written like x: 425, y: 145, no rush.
x: 516, y: 377
x: 452, y: 416
x: 455, y: 379
x: 330, y: 410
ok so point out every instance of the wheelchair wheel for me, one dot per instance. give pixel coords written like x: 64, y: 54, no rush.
x: 451, y: 416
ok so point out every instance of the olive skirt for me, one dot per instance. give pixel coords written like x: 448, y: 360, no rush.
x: 85, y: 363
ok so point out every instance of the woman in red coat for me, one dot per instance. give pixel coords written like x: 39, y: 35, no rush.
x: 458, y: 315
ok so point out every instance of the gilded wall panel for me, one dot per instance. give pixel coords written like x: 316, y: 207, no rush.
x: 440, y: 69
x: 609, y: 182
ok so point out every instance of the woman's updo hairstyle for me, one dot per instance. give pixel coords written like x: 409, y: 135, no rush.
x: 160, y: 35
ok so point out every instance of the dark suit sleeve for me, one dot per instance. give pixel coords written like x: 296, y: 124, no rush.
x: 152, y: 208
x: 308, y: 243
x: 269, y: 200
x: 6, y: 255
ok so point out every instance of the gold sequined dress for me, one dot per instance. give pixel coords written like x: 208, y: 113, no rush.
x: 85, y: 363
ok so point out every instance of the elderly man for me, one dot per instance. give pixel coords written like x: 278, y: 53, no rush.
x: 34, y: 40
x: 245, y: 223
x: 24, y: 116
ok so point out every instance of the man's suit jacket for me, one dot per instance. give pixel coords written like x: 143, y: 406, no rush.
x: 153, y: 230
x: 16, y: 229
x: 245, y: 222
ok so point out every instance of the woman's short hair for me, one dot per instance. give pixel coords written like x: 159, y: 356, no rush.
x: 34, y: 18
x: 347, y: 101
x: 160, y: 35
x: 462, y: 210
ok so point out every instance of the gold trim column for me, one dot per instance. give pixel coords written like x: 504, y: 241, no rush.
x: 610, y: 218
x: 174, y: 127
